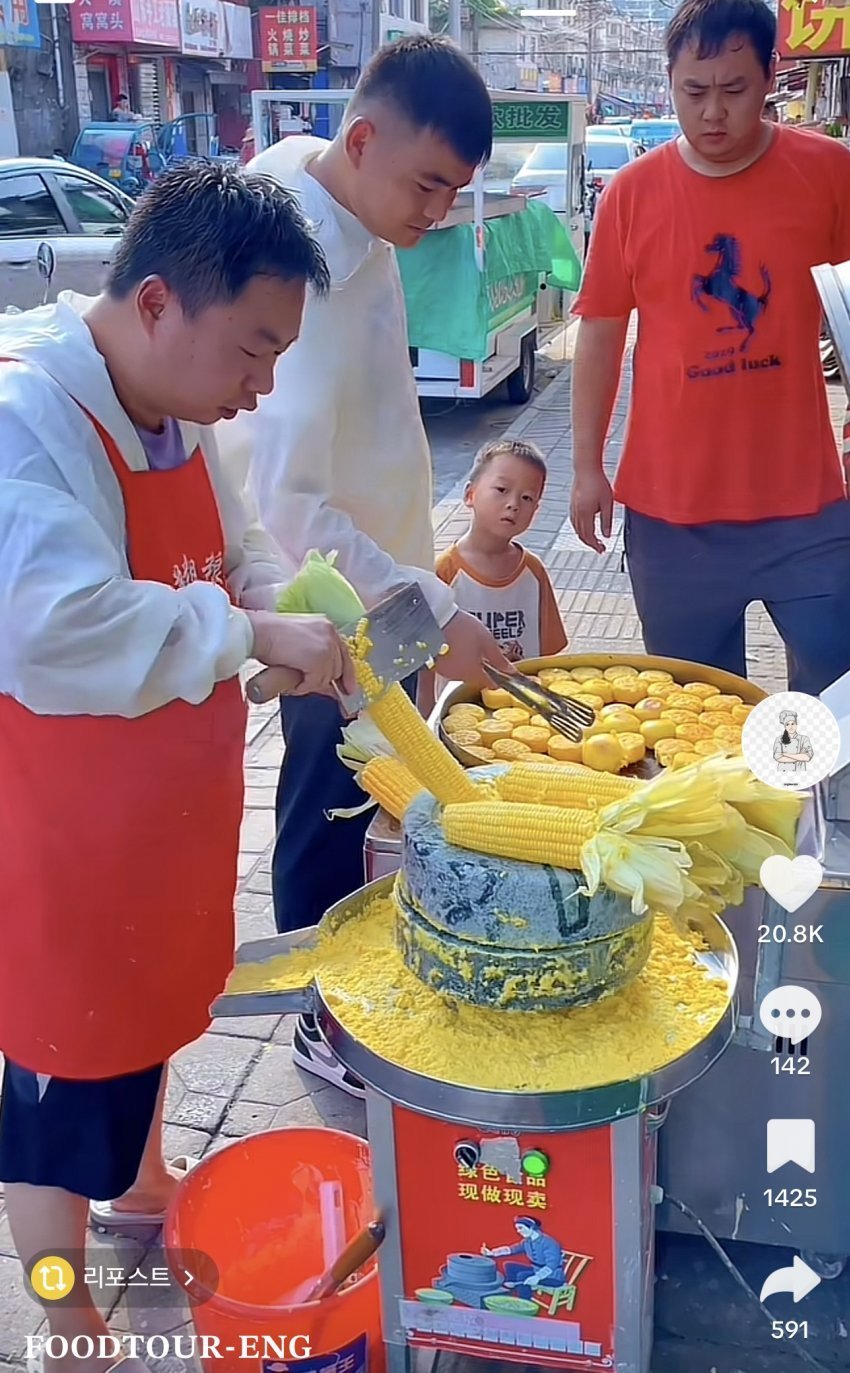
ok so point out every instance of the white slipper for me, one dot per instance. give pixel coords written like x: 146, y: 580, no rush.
x: 104, y: 1215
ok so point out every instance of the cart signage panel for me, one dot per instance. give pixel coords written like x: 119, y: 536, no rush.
x: 537, y: 121
x: 514, y: 1268
x: 289, y: 39
x: 813, y: 28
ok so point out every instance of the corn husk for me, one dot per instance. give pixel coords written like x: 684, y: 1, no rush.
x: 318, y: 588
x: 651, y: 872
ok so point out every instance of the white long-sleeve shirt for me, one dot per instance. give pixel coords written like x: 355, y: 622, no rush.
x: 77, y: 634
x: 338, y: 454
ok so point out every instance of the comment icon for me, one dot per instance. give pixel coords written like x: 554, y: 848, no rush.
x: 792, y: 1014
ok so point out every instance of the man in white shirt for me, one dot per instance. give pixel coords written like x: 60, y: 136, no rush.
x: 338, y: 453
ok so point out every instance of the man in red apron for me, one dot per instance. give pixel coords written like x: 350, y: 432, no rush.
x: 134, y: 589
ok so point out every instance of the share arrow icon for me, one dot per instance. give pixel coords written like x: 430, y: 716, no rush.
x: 799, y: 1280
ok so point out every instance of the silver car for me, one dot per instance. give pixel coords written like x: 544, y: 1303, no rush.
x: 46, y: 200
x: 607, y: 153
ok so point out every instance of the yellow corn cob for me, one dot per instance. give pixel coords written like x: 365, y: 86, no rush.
x: 562, y: 786
x: 531, y: 833
x: 402, y: 726
x: 391, y: 783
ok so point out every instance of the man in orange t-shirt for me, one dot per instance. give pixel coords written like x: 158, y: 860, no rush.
x: 730, y: 474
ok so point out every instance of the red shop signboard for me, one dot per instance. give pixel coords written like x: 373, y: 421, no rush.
x: 813, y: 28
x: 153, y: 22
x: 289, y: 39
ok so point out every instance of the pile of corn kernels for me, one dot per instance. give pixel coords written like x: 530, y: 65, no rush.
x: 670, y: 1008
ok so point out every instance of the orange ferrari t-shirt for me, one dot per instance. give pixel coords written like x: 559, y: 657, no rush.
x: 520, y: 612
x: 729, y: 416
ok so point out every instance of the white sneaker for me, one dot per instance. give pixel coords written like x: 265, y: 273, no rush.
x: 310, y: 1052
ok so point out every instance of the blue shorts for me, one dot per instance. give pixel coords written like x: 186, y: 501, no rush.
x: 692, y: 585
x: 85, y: 1137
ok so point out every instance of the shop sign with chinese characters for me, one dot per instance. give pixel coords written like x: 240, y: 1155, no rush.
x: 19, y: 24
x: 202, y: 28
x: 289, y: 39
x: 813, y: 28
x: 152, y: 22
x: 538, y: 121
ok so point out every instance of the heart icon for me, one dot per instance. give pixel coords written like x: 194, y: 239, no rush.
x: 790, y: 881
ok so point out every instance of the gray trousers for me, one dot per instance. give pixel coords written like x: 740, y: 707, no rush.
x: 692, y: 585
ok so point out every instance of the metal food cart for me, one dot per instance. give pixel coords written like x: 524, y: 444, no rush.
x: 712, y: 1155
x: 479, y: 285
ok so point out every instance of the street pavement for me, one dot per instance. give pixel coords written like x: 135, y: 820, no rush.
x: 239, y: 1078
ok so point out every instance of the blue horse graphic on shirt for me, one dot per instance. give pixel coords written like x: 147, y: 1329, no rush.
x: 721, y: 284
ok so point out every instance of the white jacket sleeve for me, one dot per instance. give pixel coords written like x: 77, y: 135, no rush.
x: 77, y: 634
x: 256, y: 568
x: 291, y: 438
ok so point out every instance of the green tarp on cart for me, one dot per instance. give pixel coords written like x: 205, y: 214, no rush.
x: 452, y: 307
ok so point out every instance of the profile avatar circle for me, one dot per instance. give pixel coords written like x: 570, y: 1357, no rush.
x: 791, y: 741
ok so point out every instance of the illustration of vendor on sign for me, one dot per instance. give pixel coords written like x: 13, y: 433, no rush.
x: 542, y: 1262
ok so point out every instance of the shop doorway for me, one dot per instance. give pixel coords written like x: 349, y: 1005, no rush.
x: 101, y: 104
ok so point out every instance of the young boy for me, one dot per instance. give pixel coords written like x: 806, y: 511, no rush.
x: 491, y: 575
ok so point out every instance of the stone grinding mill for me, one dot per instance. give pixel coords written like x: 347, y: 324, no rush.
x: 520, y: 1223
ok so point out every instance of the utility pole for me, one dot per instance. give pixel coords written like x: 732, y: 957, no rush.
x: 590, y: 55
x: 377, y: 35
x: 455, y: 22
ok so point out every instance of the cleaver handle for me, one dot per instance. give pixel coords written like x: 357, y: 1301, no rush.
x: 271, y: 682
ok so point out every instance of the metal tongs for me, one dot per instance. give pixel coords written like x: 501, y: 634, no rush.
x: 566, y: 716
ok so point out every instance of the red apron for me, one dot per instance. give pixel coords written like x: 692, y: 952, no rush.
x: 120, y: 837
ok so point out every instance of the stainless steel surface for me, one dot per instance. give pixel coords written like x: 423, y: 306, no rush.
x: 381, y: 1134
x: 713, y: 1148
x: 634, y: 1150
x: 833, y: 287
x: 496, y: 205
x: 404, y: 637
x: 295, y: 1002
x: 382, y: 847
x: 515, y: 1110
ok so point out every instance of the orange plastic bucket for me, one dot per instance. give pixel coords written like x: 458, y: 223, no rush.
x: 257, y: 1210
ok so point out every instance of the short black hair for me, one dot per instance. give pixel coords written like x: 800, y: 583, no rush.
x: 528, y: 1220
x: 707, y: 25
x: 123, y: 96
x: 514, y: 448
x: 434, y: 86
x: 208, y: 230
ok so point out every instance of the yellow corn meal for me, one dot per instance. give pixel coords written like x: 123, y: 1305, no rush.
x: 669, y: 1008
x: 612, y: 673
x: 468, y: 708
x: 467, y: 738
x: 683, y: 700
x: 510, y: 748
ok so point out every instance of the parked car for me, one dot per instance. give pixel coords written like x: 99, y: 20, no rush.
x: 545, y: 169
x: 651, y: 133
x: 608, y: 153
x: 80, y: 216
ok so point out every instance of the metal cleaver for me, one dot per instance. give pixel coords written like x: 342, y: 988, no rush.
x: 404, y: 636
